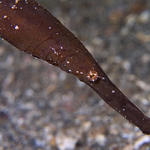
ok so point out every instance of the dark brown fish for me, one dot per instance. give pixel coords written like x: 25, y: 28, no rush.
x: 31, y: 28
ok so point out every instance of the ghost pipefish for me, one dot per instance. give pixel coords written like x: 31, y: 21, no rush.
x: 32, y: 29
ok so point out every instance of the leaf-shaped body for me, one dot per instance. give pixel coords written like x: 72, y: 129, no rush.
x: 31, y: 28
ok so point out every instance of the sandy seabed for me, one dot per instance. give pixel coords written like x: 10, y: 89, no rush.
x: 44, y: 108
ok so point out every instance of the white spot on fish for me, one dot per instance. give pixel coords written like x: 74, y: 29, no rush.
x: 13, y: 7
x: 61, y: 47
x: 113, y: 91
x: 26, y: 1
x: 16, y: 27
x: 17, y: 1
x: 54, y: 51
x: 69, y: 70
x: 49, y: 27
x: 4, y: 16
x: 123, y: 109
x: 103, y: 78
x: 67, y: 62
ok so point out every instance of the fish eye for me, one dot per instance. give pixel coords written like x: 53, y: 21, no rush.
x: 92, y: 75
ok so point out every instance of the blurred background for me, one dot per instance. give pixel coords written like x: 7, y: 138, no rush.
x: 44, y: 108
